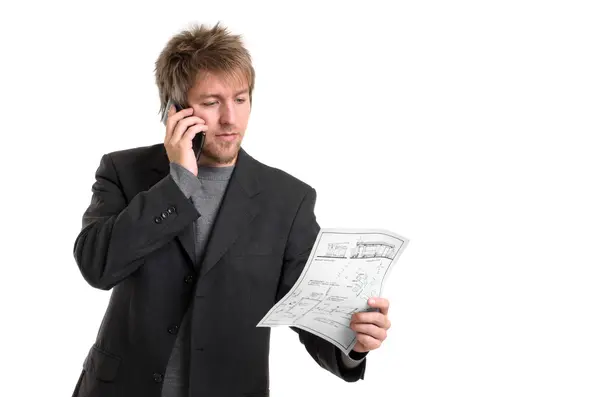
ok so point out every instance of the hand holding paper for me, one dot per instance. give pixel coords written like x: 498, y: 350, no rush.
x: 371, y: 327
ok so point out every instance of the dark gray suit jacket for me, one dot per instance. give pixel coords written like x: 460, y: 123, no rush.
x: 137, y: 239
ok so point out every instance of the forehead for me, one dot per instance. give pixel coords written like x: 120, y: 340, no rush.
x: 219, y: 83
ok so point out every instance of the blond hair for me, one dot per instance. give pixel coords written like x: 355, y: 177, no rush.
x: 197, y: 50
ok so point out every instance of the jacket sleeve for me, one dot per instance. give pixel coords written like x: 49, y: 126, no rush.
x: 116, y: 235
x: 303, y: 235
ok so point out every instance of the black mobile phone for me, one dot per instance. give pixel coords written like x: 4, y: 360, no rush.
x: 198, y: 140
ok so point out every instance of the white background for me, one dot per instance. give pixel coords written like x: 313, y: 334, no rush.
x: 469, y: 127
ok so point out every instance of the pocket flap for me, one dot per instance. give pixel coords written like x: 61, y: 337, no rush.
x: 103, y: 365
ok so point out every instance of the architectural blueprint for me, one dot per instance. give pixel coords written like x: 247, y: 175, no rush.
x: 345, y: 268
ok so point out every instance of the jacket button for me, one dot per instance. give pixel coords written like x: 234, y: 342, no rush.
x: 170, y: 210
x: 157, y: 377
x: 189, y: 279
x: 157, y: 220
x: 173, y: 329
x: 164, y: 215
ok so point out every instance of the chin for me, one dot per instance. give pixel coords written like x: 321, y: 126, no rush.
x: 222, y: 154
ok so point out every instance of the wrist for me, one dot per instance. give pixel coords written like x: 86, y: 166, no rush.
x: 357, y: 355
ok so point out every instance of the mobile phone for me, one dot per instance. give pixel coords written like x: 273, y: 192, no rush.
x: 198, y: 140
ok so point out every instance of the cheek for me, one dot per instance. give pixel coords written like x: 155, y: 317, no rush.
x: 211, y: 119
x: 210, y: 116
x: 243, y: 118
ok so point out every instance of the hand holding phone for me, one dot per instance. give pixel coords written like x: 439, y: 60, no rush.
x: 183, y: 128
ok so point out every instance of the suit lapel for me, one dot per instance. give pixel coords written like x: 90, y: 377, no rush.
x: 237, y: 210
x: 188, y: 243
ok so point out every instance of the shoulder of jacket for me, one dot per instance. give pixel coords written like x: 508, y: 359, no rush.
x: 134, y: 156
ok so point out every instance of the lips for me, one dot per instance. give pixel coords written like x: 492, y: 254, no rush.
x: 226, y: 137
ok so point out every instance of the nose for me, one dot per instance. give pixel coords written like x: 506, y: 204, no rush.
x: 227, y: 114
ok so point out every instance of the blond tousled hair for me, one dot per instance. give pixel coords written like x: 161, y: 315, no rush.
x: 197, y: 50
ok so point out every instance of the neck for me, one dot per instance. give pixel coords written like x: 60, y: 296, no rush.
x: 205, y: 161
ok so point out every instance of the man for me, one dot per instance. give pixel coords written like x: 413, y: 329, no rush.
x: 196, y: 251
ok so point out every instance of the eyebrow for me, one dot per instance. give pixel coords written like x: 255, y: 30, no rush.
x: 244, y: 91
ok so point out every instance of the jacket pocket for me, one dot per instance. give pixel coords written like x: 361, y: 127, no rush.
x: 102, y: 364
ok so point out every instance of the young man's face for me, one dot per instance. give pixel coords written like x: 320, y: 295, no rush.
x: 224, y: 105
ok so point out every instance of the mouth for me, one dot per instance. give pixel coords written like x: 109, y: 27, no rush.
x: 226, y: 137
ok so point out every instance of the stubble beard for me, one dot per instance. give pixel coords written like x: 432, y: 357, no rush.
x: 221, y: 152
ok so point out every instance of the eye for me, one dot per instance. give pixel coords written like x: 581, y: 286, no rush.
x: 208, y: 103
x: 241, y: 100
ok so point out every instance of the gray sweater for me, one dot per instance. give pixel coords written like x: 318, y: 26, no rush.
x: 206, y: 191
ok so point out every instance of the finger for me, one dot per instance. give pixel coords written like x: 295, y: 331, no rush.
x: 368, y: 341
x: 183, y: 125
x: 380, y: 303
x: 191, y: 132
x: 174, y: 119
x: 370, y: 318
x: 371, y: 330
